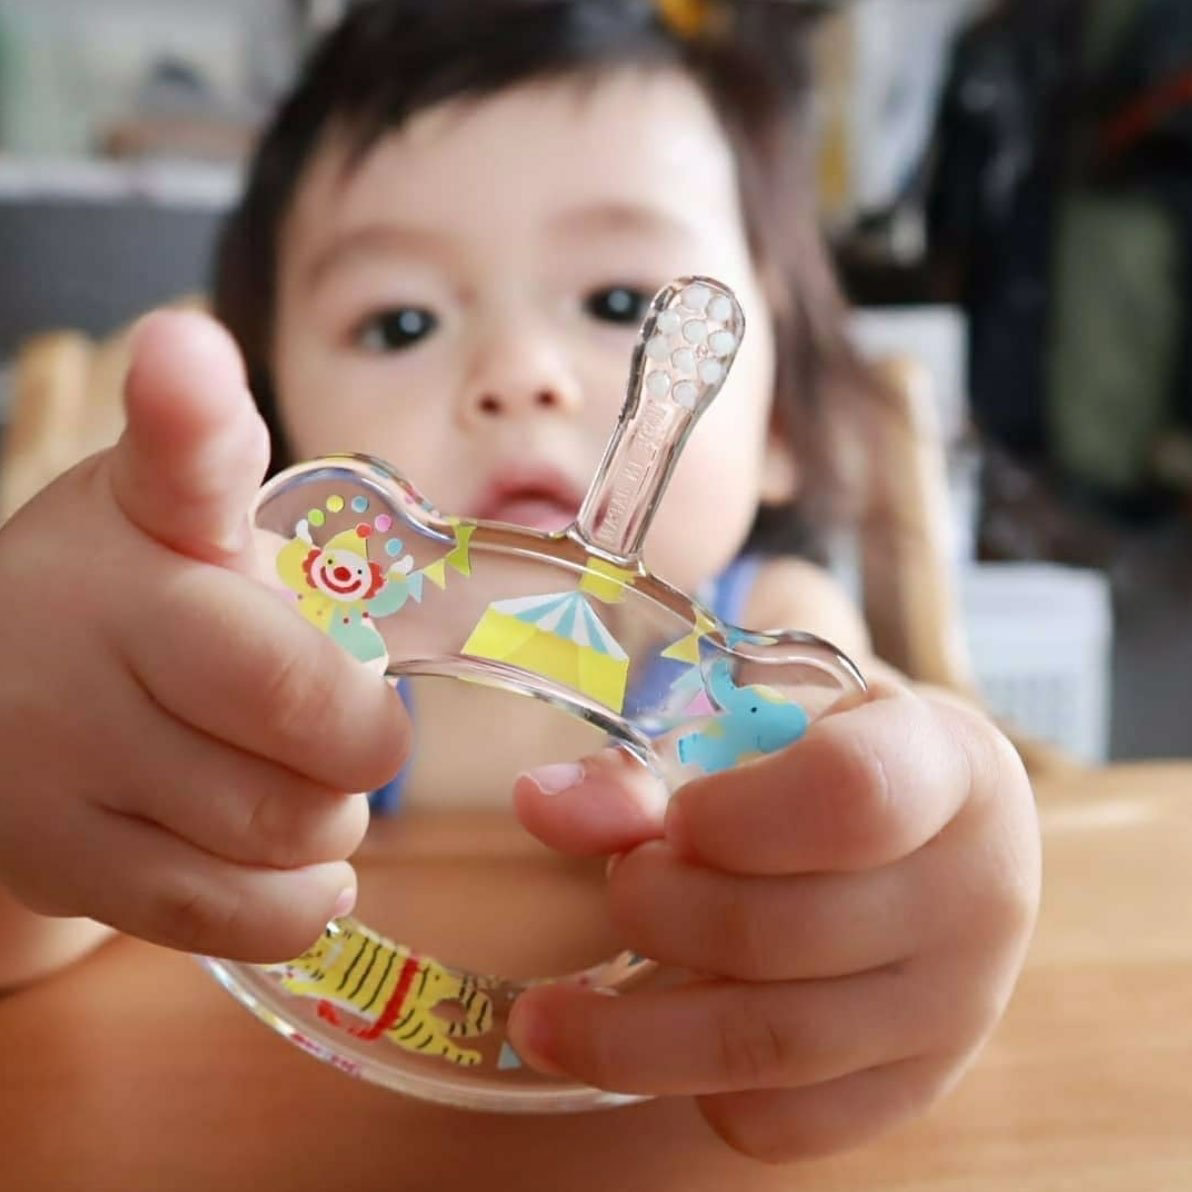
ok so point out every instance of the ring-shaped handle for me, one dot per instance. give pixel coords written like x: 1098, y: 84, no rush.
x: 571, y: 619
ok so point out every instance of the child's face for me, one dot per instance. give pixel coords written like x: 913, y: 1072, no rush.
x: 464, y: 305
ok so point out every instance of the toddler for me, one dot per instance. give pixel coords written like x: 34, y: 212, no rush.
x: 448, y: 239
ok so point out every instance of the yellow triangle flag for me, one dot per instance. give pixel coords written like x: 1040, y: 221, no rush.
x: 460, y: 559
x: 606, y: 581
x: 437, y: 573
x: 686, y: 649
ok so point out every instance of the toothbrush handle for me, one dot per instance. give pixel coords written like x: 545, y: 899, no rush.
x: 684, y: 352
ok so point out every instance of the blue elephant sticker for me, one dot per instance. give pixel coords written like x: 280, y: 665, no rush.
x: 755, y: 720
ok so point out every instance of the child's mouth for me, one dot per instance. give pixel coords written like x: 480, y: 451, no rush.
x: 537, y: 497
x: 533, y: 512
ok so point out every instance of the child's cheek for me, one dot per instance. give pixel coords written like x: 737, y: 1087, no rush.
x: 703, y: 522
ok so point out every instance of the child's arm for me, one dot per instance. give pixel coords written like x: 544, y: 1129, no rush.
x: 858, y: 905
x: 176, y: 743
x: 32, y: 946
x: 791, y: 593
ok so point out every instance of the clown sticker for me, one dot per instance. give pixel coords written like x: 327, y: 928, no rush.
x: 341, y: 590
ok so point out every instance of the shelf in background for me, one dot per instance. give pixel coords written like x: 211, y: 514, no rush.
x: 193, y: 184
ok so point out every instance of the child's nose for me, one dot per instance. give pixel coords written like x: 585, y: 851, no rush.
x: 493, y: 403
x: 520, y: 378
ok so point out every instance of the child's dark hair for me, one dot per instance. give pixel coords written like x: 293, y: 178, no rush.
x: 390, y: 59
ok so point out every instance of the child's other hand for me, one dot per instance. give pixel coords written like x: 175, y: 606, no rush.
x: 176, y: 743
x: 857, y: 906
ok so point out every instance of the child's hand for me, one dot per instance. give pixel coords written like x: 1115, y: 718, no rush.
x: 176, y: 742
x: 858, y: 907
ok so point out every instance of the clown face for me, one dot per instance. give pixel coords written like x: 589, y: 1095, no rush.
x: 341, y: 574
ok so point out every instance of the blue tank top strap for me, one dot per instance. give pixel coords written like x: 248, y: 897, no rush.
x: 726, y: 596
x: 386, y: 800
x: 731, y: 589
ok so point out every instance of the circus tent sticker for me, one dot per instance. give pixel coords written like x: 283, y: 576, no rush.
x: 558, y: 637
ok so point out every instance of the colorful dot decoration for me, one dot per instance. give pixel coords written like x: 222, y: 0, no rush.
x: 382, y: 523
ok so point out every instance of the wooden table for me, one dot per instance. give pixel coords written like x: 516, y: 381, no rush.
x: 134, y: 1071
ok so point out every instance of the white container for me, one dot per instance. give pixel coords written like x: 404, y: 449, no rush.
x: 1041, y: 639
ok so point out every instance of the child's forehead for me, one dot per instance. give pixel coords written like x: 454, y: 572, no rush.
x: 628, y: 139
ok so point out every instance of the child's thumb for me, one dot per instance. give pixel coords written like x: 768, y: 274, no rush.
x: 194, y: 449
x: 607, y: 803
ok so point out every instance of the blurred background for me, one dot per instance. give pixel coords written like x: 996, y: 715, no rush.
x: 1007, y: 187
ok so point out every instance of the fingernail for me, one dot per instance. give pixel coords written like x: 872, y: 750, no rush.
x: 554, y: 779
x: 344, y: 903
x: 613, y: 862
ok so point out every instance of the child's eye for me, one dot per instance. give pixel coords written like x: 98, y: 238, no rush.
x: 618, y: 304
x: 395, y: 329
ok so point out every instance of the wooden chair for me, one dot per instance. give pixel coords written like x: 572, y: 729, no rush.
x: 66, y: 404
x: 908, y: 584
x: 908, y: 589
x: 63, y: 406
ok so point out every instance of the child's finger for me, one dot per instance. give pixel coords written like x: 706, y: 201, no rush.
x: 786, y: 1125
x: 147, y: 882
x: 235, y: 805
x: 606, y: 803
x: 863, y: 788
x: 231, y: 659
x: 722, y: 1036
x: 194, y: 449
x: 787, y: 928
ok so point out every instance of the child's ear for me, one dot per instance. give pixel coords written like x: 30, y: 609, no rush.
x: 780, y: 469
